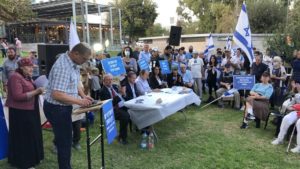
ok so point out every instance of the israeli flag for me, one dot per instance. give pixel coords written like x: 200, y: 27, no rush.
x: 73, y: 36
x: 242, y: 34
x: 228, y: 43
x: 210, y: 47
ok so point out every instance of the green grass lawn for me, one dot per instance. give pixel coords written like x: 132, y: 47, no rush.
x: 210, y: 138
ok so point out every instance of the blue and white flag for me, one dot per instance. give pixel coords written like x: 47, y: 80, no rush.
x: 228, y: 43
x: 73, y: 36
x: 242, y: 34
x: 210, y: 47
x: 3, y: 133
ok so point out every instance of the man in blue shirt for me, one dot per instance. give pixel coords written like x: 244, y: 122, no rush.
x: 145, y: 54
x: 189, y: 55
x: 62, y: 92
x: 187, y: 77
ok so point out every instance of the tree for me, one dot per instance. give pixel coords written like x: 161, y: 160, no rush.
x: 266, y: 16
x: 15, y: 10
x: 212, y: 16
x: 137, y: 16
x: 279, y: 42
x: 220, y: 16
x: 157, y: 30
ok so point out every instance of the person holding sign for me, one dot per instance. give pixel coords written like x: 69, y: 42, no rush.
x: 257, y: 104
x: 61, y: 93
x: 110, y: 91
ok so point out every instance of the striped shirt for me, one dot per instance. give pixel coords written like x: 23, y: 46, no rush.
x: 64, y: 77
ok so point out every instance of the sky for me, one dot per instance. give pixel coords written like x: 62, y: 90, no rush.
x: 166, y: 9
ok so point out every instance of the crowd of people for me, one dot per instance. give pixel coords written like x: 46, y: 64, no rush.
x: 70, y: 85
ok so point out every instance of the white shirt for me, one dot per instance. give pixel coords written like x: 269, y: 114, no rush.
x: 224, y: 62
x: 196, y: 65
x: 132, y: 89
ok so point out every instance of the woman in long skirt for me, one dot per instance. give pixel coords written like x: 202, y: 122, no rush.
x: 25, y: 136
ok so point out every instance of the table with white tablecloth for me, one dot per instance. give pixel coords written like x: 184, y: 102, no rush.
x: 146, y: 110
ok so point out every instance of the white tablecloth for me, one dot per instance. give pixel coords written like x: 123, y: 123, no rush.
x: 149, y: 112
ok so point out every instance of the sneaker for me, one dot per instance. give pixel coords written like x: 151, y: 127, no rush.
x: 277, y: 142
x: 250, y: 117
x: 296, y: 149
x: 76, y: 146
x: 244, y: 126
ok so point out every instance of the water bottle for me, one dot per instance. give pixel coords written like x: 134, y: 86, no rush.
x: 151, y: 141
x: 144, y: 141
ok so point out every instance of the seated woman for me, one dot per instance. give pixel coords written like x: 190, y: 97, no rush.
x: 257, y: 104
x: 156, y: 81
x: 289, y: 119
x: 174, y: 79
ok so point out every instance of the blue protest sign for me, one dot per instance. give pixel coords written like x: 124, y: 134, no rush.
x: 143, y: 64
x: 3, y: 133
x: 175, y: 65
x: 110, y: 122
x: 113, y: 66
x: 243, y: 82
x: 164, y: 66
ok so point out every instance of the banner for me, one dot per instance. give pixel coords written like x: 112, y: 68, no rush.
x: 113, y: 66
x: 3, y: 133
x: 242, y: 34
x: 143, y: 64
x: 164, y: 66
x: 110, y: 122
x: 73, y: 36
x: 243, y: 82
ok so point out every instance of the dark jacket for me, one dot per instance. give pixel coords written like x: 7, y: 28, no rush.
x: 129, y: 92
x: 154, y: 84
x: 105, y: 94
x: 172, y: 82
x: 258, y: 70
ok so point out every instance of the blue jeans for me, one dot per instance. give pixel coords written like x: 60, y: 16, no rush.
x: 61, y: 121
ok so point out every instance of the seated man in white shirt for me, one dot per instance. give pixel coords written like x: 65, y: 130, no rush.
x: 142, y: 83
x: 187, y: 77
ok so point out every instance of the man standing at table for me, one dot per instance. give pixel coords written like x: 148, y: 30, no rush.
x: 61, y: 93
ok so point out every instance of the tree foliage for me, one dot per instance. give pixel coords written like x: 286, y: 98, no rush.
x: 266, y: 16
x: 157, y: 30
x: 279, y: 42
x: 15, y: 10
x: 220, y: 16
x: 137, y: 16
